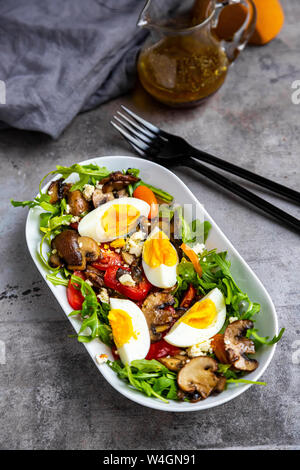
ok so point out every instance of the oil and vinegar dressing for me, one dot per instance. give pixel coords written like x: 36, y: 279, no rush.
x: 181, y: 69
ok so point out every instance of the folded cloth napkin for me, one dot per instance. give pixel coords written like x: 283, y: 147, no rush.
x: 60, y: 57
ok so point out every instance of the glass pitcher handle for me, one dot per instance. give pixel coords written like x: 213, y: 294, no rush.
x: 244, y: 33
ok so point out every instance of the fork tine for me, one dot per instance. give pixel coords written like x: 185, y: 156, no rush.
x: 138, y: 126
x: 133, y: 131
x: 132, y: 140
x: 147, y: 124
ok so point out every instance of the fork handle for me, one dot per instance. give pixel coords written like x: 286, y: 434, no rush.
x: 246, y: 174
x: 243, y: 193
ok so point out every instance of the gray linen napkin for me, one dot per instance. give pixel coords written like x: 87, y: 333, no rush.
x: 60, y: 57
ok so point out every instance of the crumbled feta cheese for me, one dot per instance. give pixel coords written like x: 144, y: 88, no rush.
x: 99, y: 186
x: 232, y: 319
x: 200, y: 349
x: 67, y: 209
x: 118, y: 250
x: 198, y: 248
x: 101, y: 358
x: 140, y: 235
x: 75, y: 219
x: 87, y: 192
x: 103, y: 295
x: 135, y: 249
x: 134, y: 244
x: 126, y: 280
x: 89, y: 282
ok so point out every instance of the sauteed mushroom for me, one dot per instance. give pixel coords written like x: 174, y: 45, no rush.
x: 238, y: 346
x: 100, y: 198
x: 174, y: 363
x: 77, y: 203
x: 159, y: 315
x: 58, y: 190
x: 198, y: 376
x: 76, y: 251
x: 95, y: 276
x: 116, y: 181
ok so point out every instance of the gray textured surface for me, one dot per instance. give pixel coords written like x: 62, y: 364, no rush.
x: 51, y: 395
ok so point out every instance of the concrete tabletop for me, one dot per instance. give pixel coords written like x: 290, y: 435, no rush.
x: 51, y: 395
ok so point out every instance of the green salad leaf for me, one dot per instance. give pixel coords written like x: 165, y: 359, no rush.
x: 94, y: 314
x: 252, y: 333
x: 149, y: 377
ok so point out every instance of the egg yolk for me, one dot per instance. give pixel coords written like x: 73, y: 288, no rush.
x: 119, y: 219
x: 201, y: 315
x: 121, y: 325
x: 158, y: 250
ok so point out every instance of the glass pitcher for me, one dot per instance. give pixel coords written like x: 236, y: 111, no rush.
x: 184, y: 62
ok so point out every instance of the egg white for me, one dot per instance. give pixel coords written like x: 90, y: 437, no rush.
x: 135, y: 348
x: 91, y: 224
x: 183, y: 335
x: 162, y: 276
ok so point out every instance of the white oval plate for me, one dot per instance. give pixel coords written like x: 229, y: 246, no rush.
x: 245, y: 277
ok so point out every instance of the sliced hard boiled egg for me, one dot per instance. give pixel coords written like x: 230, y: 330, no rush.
x: 160, y: 259
x: 202, y: 321
x: 113, y: 219
x: 130, y: 330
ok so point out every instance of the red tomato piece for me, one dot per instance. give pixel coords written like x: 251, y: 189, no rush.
x: 74, y: 296
x: 107, y: 259
x: 137, y: 292
x: 162, y: 349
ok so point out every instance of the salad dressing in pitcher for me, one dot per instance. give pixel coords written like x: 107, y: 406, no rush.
x: 185, y: 62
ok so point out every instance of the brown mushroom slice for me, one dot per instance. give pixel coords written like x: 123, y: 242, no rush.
x: 127, y: 257
x: 90, y: 248
x: 117, y: 181
x: 174, y: 363
x: 67, y: 247
x: 221, y: 384
x: 55, y: 261
x: 95, y: 276
x: 58, y: 190
x: 238, y: 346
x: 100, y: 198
x: 198, y: 376
x: 76, y: 251
x: 157, y: 313
x: 78, y: 205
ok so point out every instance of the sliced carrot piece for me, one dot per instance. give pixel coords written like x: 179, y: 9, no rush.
x: 193, y: 257
x: 218, y: 346
x: 147, y: 195
x: 188, y: 297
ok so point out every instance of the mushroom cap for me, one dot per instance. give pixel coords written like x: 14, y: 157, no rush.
x: 76, y: 251
x: 238, y: 346
x: 156, y: 311
x: 77, y: 203
x: 198, y: 375
x: 67, y: 246
x: 117, y: 181
x: 174, y: 363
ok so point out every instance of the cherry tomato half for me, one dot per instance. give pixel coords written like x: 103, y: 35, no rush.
x: 74, y: 296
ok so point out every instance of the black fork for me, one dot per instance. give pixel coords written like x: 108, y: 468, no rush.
x: 153, y: 143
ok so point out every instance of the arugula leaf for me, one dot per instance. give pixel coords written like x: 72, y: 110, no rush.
x: 232, y: 376
x: 93, y: 313
x: 163, y: 195
x: 149, y: 377
x: 57, y: 281
x: 264, y: 340
x: 200, y: 231
x: 244, y: 381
